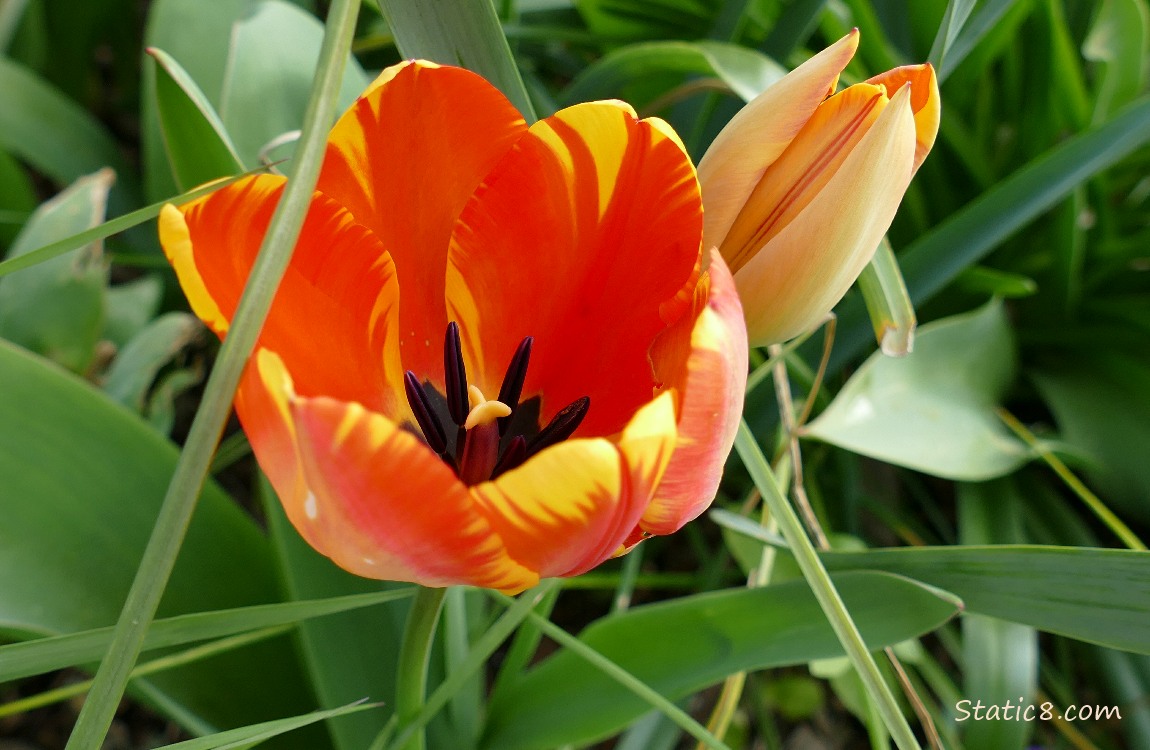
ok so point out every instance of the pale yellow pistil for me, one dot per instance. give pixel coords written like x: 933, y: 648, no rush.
x: 481, y: 442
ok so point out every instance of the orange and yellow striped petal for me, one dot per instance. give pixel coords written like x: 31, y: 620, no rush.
x: 586, y: 237
x: 381, y: 505
x: 573, y: 505
x: 925, y: 102
x: 333, y: 321
x: 803, y: 170
x: 760, y: 132
x: 807, y: 267
x: 404, y: 160
x: 704, y: 360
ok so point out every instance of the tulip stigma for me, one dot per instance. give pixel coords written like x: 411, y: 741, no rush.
x: 482, y: 423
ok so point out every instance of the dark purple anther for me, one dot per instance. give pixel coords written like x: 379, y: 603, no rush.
x: 515, y: 454
x: 512, y: 387
x: 455, y: 375
x: 424, y: 415
x: 561, y: 426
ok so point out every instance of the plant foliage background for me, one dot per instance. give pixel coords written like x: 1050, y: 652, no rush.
x: 1023, y: 244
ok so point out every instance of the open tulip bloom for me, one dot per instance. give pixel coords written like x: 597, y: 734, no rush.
x: 803, y: 183
x: 499, y: 353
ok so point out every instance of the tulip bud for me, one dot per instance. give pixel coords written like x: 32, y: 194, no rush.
x: 802, y: 184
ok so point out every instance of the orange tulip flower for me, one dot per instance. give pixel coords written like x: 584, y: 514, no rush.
x: 801, y: 185
x: 588, y: 387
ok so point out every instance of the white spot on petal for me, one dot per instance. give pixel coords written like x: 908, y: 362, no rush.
x: 310, y: 507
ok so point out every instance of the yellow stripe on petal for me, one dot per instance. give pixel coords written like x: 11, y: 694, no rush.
x: 176, y: 240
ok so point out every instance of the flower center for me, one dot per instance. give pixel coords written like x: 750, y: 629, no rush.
x: 491, y: 436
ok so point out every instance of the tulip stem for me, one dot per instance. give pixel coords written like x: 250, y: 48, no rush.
x: 414, y: 654
x: 824, y: 589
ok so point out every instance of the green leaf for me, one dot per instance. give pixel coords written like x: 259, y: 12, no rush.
x: 680, y: 646
x: 1096, y: 595
x: 984, y: 281
x: 1101, y: 408
x: 250, y: 736
x: 43, y: 127
x: 197, y: 144
x: 83, y: 478
x: 1118, y: 43
x: 640, y: 72
x: 134, y: 369
x: 887, y: 301
x: 131, y: 306
x: 17, y: 199
x: 271, y: 64
x: 56, y: 309
x: 934, y: 410
x: 19, y: 660
x: 619, y: 21
x: 957, y: 11
x: 464, y: 34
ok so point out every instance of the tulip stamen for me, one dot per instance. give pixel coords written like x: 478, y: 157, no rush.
x: 561, y: 426
x: 482, y: 423
x: 512, y: 387
x: 455, y: 375
x: 424, y: 415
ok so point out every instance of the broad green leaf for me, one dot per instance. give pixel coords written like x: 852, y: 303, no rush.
x: 56, y: 309
x: 135, y: 367
x: 271, y: 64
x: 131, y: 306
x: 464, y: 34
x: 250, y: 736
x: 197, y: 144
x: 1118, y: 43
x: 42, y: 655
x: 55, y: 135
x: 934, y: 410
x: 1101, y: 409
x: 83, y: 479
x: 1096, y: 595
x: 639, y: 72
x: 680, y: 646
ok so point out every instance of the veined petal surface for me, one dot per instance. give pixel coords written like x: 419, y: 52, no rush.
x: 333, y: 320
x: 584, y: 236
x: 760, y: 132
x: 807, y: 268
x: 404, y: 160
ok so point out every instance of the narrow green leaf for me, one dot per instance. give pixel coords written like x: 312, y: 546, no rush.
x: 198, y: 147
x: 989, y: 14
x: 1095, y: 595
x: 934, y: 410
x: 1118, y: 43
x: 887, y: 301
x: 953, y: 19
x: 620, y: 21
x: 57, y: 309
x: 638, y: 73
x: 680, y: 646
x: 250, y: 736
x: 19, y: 660
x: 466, y: 34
